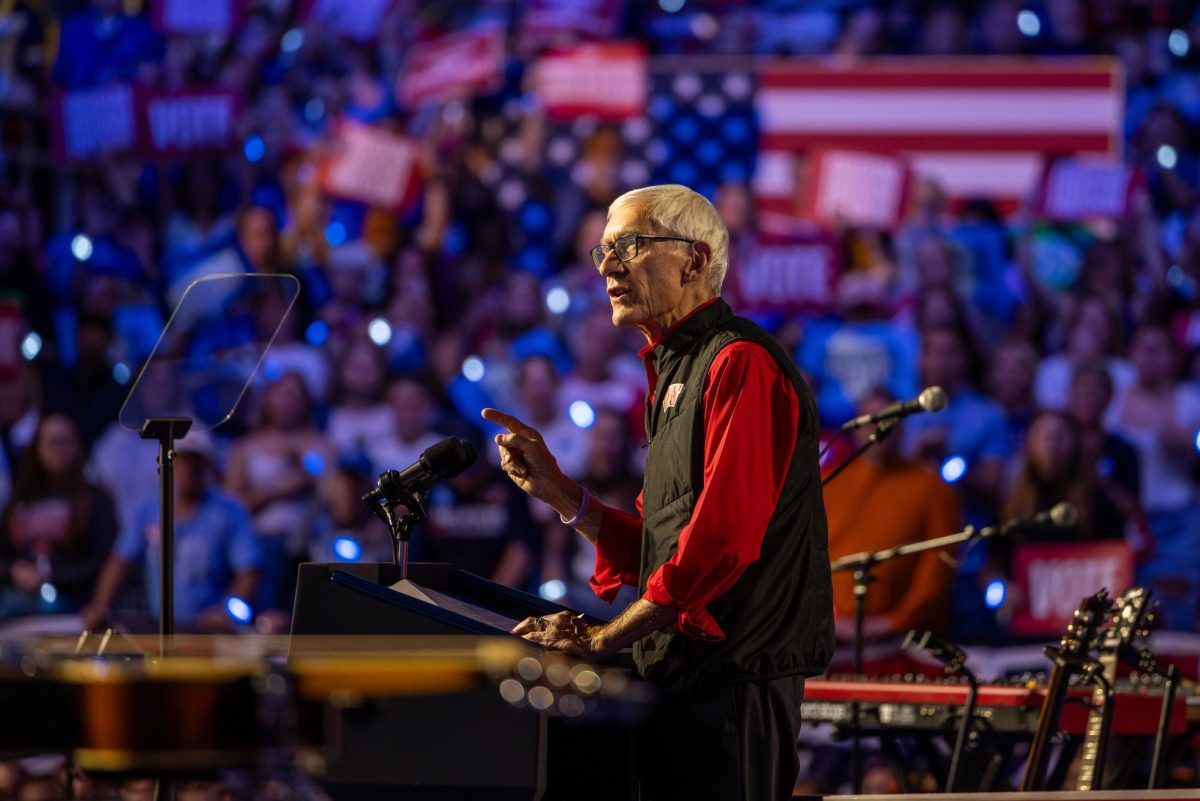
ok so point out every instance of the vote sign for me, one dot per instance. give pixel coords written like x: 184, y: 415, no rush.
x: 785, y: 275
x: 1053, y: 576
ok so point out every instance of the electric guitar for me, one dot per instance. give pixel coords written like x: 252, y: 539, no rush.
x: 1130, y: 616
x: 1069, y: 657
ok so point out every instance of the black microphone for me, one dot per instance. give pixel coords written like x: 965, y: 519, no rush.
x: 931, y: 399
x: 1061, y: 515
x: 443, y: 460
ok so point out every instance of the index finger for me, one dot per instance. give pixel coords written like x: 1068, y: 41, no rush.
x: 508, y: 421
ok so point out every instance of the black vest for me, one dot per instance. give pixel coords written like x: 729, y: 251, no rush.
x: 778, y: 617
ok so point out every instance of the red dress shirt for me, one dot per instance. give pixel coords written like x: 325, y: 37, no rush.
x: 751, y: 415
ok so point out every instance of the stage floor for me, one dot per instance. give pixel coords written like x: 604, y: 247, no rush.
x: 1095, y: 795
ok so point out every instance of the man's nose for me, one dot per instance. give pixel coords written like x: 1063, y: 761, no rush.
x: 611, y: 265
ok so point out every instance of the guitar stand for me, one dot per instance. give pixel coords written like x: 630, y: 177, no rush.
x: 1057, y: 775
x: 1039, y: 750
x: 1157, y: 765
x: 1145, y: 662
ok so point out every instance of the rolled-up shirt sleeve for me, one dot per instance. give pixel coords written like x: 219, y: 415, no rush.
x: 751, y: 416
x: 618, y: 551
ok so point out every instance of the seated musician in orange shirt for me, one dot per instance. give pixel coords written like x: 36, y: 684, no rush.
x: 880, y: 501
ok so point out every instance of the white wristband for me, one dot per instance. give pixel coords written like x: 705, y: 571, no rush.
x: 583, y: 507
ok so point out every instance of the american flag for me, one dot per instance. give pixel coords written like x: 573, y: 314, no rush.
x: 699, y: 128
x: 703, y: 127
x: 977, y: 127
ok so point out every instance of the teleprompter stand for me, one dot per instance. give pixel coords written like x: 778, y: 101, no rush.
x: 166, y: 430
x: 200, y: 368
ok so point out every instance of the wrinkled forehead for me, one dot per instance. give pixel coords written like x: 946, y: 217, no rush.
x: 628, y: 218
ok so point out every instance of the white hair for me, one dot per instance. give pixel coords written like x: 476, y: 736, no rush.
x: 679, y: 211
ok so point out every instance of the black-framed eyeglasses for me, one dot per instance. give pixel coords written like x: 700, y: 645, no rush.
x: 625, y: 248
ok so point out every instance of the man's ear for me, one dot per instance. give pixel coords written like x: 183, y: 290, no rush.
x: 701, y: 257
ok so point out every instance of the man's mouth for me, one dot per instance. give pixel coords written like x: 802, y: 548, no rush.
x: 615, y: 292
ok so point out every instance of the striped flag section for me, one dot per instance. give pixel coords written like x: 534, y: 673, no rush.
x: 977, y: 127
x: 459, y: 64
x: 607, y: 80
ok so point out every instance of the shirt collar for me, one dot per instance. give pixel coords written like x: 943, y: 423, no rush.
x: 649, y: 347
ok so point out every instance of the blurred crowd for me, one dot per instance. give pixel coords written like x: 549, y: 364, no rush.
x: 1068, y: 351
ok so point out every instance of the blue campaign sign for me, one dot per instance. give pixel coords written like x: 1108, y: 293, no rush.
x: 848, y: 360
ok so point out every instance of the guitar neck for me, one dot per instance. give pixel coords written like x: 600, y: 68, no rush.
x: 1095, y: 740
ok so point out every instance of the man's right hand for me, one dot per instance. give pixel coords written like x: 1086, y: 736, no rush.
x: 529, y: 463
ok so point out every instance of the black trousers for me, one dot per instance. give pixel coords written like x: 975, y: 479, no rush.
x: 735, y: 742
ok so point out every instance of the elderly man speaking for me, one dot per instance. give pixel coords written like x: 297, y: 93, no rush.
x: 729, y: 550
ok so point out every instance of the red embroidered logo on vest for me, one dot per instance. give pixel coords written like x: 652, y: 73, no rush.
x: 672, y: 395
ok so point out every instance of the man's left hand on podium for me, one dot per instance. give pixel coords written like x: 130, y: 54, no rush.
x: 564, y: 631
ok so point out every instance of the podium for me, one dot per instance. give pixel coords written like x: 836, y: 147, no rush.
x: 459, y: 745
x: 356, y: 598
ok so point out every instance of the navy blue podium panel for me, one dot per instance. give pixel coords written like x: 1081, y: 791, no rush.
x: 358, y: 598
x: 466, y: 745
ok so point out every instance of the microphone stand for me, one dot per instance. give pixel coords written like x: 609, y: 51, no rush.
x: 862, y: 578
x: 860, y: 566
x: 953, y: 661
x: 400, y: 526
x: 879, y: 435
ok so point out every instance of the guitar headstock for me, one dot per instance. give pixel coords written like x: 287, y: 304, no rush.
x: 1084, y: 629
x: 1131, y: 616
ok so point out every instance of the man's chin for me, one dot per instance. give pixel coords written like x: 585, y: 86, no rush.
x: 622, y: 316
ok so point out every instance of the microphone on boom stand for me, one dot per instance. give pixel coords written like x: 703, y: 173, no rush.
x: 1061, y: 515
x: 931, y: 399
x: 860, y: 565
